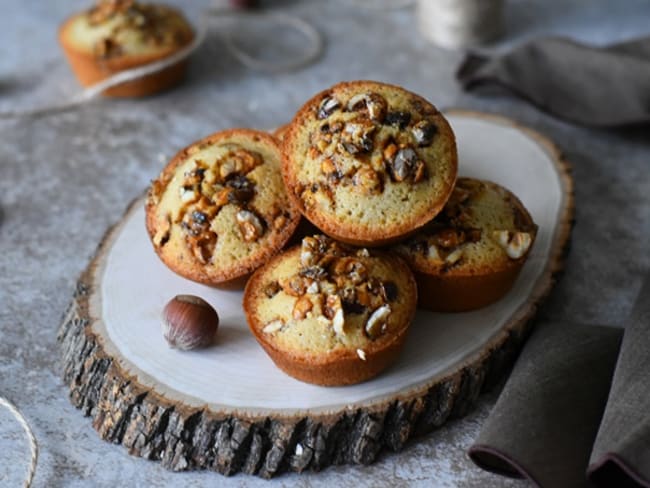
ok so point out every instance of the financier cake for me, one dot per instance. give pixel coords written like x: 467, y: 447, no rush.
x: 219, y: 209
x: 329, y: 314
x: 470, y: 255
x: 368, y: 163
x: 116, y: 35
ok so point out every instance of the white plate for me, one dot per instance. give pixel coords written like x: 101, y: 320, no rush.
x: 236, y: 374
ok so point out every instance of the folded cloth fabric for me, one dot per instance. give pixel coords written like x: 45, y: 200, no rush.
x: 594, y: 86
x: 546, y: 419
x: 548, y: 424
x: 622, y: 448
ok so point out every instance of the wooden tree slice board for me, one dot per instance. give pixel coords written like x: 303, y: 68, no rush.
x: 229, y: 409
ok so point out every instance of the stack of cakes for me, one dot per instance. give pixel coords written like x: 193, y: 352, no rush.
x: 374, y: 168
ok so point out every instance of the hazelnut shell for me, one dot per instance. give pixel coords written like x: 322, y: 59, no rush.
x: 189, y: 322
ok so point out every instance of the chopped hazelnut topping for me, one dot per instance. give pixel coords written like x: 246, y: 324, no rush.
x: 398, y: 119
x: 328, y: 166
x: 332, y: 282
x: 403, y: 164
x: 368, y: 181
x: 373, y: 103
x: 188, y: 195
x: 162, y: 235
x: 207, y: 188
x: 350, y: 130
x: 420, y: 172
x: 363, y: 253
x: 516, y: 244
x: 294, y: 285
x: 301, y: 307
x: 433, y: 254
x: 272, y: 289
x: 250, y: 225
x: 449, y: 238
x: 389, y: 151
x: 313, y: 288
x: 357, y: 137
x: 327, y: 107
x: 155, y: 25
x: 280, y: 221
x: 377, y: 321
x: 424, y: 132
x: 273, y: 326
x: 453, y: 257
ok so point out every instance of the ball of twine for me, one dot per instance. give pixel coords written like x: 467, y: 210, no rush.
x: 460, y: 23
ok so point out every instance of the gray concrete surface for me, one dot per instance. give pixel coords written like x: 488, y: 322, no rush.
x: 65, y: 178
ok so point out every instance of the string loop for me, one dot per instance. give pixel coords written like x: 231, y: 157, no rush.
x: 33, y: 445
x: 314, y: 50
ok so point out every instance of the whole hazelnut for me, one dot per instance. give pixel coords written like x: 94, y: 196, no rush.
x: 189, y: 322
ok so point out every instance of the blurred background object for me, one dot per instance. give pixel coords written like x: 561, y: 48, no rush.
x: 460, y: 23
x: 233, y: 4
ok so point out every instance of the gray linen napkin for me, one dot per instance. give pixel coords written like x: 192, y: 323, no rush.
x: 622, y: 448
x: 548, y: 424
x: 546, y: 419
x: 594, y: 86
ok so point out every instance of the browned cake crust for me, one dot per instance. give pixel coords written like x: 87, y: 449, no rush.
x: 280, y: 131
x: 118, y: 35
x: 368, y: 163
x: 219, y: 209
x: 331, y: 315
x: 471, y: 254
